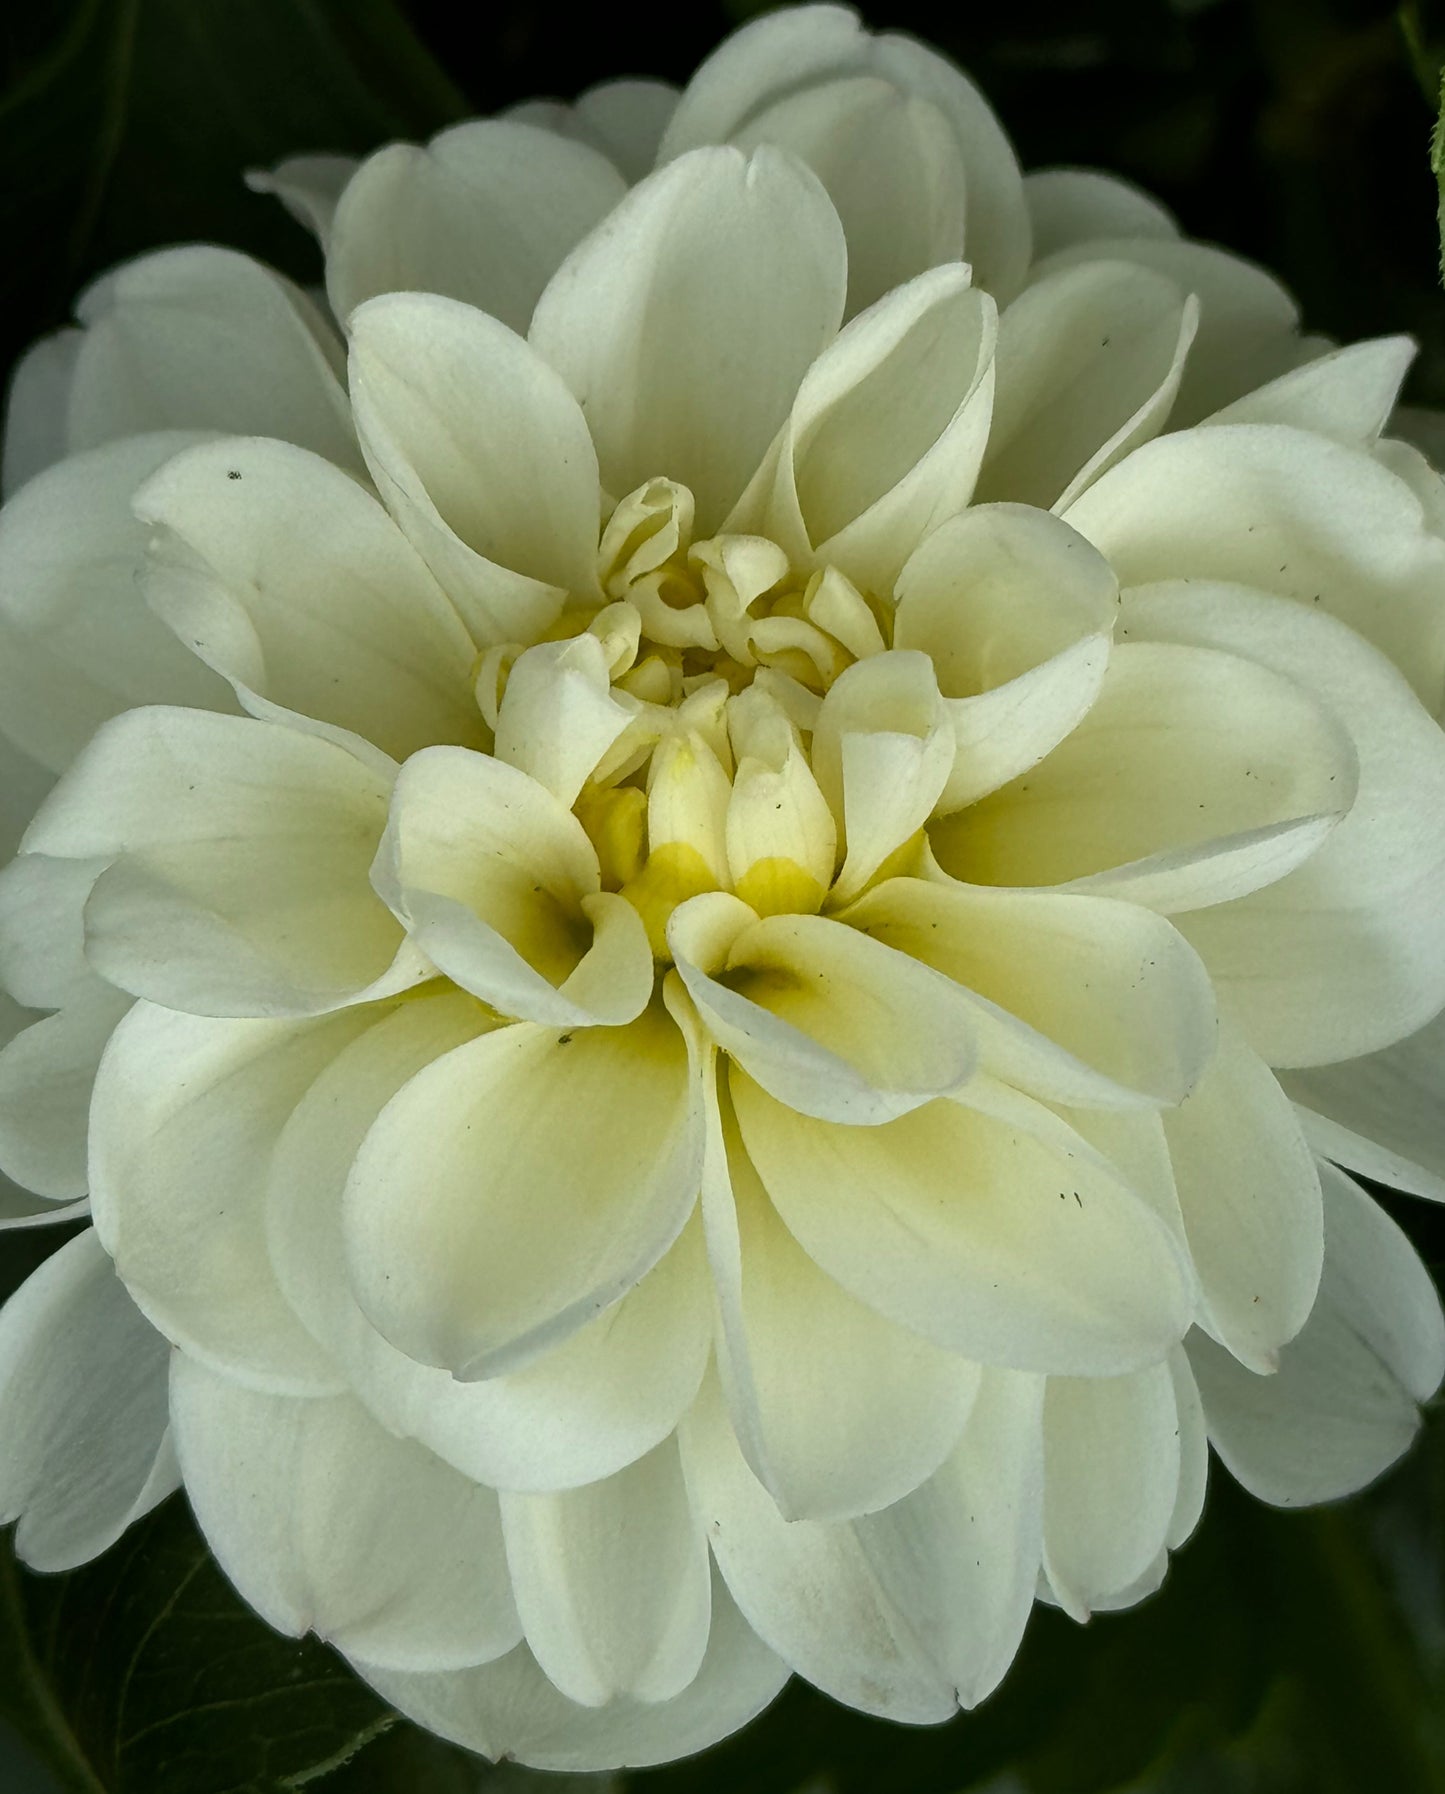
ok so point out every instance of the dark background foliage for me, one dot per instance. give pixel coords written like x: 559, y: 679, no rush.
x: 1288, y: 1652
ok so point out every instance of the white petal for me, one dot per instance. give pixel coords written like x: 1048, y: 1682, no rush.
x: 485, y: 213
x: 185, y: 1114
x: 838, y: 1411
x: 829, y: 1022
x: 579, y: 1412
x: 1348, y: 394
x: 793, y: 55
x: 891, y: 166
x: 481, y: 455
x: 1249, y: 1194
x: 984, y: 1239
x: 907, y: 1612
x: 886, y: 434
x: 240, y: 853
x: 36, y: 406
x: 308, y: 187
x: 1196, y: 775
x: 671, y: 328
x: 42, y: 929
x: 465, y: 1241
x: 558, y: 716
x: 1111, y: 1477
x: 199, y: 338
x: 613, y: 1583
x: 1380, y: 1115
x: 1193, y: 1451
x: 625, y: 120
x: 883, y: 751
x: 1088, y: 364
x: 77, y: 644
x: 511, y: 1710
x: 1015, y: 611
x: 498, y: 885
x: 287, y: 578
x: 327, y: 1524
x: 1248, y: 324
x: 1075, y: 205
x: 1285, y: 511
x: 83, y: 1406
x: 1343, y: 1404
x: 1075, y: 999
x: 46, y: 1075
x: 1348, y: 953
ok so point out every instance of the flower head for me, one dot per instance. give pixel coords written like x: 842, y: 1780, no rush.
x: 738, y: 867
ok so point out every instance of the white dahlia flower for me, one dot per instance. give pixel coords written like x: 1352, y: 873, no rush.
x: 735, y: 863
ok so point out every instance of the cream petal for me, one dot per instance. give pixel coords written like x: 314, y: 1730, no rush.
x: 886, y: 433
x: 579, y: 1412
x: 1015, y: 610
x: 240, y: 851
x: 1173, y: 791
x: 827, y: 1021
x: 1111, y: 1479
x: 327, y: 1524
x: 558, y: 716
x: 907, y: 1613
x: 285, y: 576
x: 497, y: 883
x: 1380, y: 1115
x: 308, y: 187
x: 485, y: 213
x: 1307, y: 519
x: 988, y: 1241
x: 77, y: 644
x: 837, y: 1411
x: 1076, y: 205
x: 482, y: 456
x: 47, y: 1073
x: 184, y: 1117
x: 42, y: 929
x: 883, y: 750
x: 83, y: 1405
x: 511, y: 1710
x: 625, y: 120
x: 1077, y: 999
x: 1193, y: 1452
x: 479, y: 1285
x: 1249, y: 1194
x: 613, y: 1583
x: 1346, y: 955
x: 1088, y: 364
x: 892, y: 167
x: 35, y: 408
x: 1342, y: 1406
x: 1347, y: 394
x: 200, y: 338
x: 1248, y: 324
x: 671, y: 328
x: 583, y: 1410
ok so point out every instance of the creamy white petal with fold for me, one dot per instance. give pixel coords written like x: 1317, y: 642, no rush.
x: 484, y: 213
x: 327, y: 1524
x: 1345, y: 1401
x: 83, y: 1406
x: 199, y: 338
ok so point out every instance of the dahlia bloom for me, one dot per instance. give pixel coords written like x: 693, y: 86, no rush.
x: 738, y: 856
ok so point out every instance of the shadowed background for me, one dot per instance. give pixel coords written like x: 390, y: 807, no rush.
x: 1287, y: 1653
